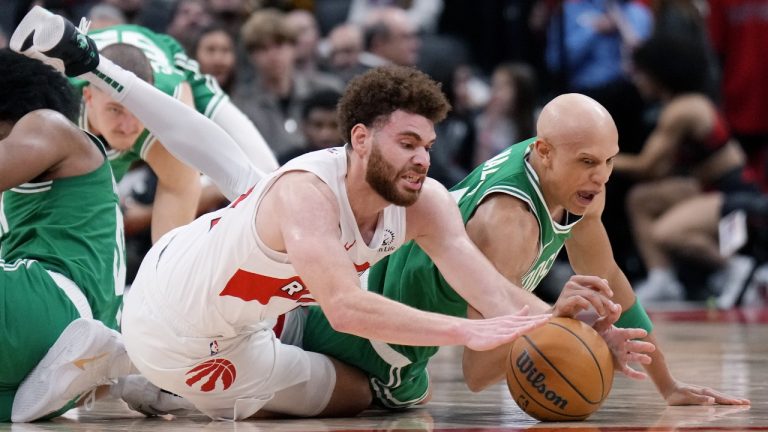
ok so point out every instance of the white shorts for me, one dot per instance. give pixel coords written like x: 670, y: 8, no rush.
x: 225, y: 378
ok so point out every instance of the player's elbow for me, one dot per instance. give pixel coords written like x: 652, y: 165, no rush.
x: 341, y: 318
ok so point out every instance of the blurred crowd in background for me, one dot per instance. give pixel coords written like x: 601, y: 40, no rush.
x: 685, y: 81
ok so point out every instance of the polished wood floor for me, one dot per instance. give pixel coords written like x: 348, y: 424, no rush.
x: 728, y: 351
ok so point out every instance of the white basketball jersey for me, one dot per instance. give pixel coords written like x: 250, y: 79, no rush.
x: 217, y: 277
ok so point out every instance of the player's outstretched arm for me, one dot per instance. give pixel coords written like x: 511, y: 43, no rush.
x: 246, y: 135
x: 187, y: 134
x: 317, y: 254
x: 589, y: 250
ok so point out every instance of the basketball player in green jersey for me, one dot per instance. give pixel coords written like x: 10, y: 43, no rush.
x: 61, y: 242
x: 178, y: 185
x: 175, y: 74
x: 519, y: 208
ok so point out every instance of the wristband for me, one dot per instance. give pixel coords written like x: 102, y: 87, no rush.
x: 635, y: 317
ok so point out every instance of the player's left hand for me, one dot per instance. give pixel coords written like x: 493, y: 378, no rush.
x: 689, y: 394
x: 623, y: 344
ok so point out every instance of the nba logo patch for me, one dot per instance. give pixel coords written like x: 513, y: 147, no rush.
x: 214, y: 346
x: 210, y: 372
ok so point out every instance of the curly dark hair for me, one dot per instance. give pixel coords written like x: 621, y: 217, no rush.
x: 27, y: 85
x: 374, y: 95
x: 676, y: 63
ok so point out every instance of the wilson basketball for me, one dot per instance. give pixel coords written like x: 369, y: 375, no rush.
x: 561, y: 371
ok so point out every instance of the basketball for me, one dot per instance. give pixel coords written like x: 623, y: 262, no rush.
x: 562, y: 371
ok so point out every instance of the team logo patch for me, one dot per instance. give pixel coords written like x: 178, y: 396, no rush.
x: 386, y: 244
x: 213, y: 370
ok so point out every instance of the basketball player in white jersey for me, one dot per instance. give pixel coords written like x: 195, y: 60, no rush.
x: 203, y: 313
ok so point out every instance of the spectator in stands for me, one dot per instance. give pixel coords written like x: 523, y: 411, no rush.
x: 214, y: 50
x: 319, y: 124
x: 689, y: 152
x: 451, y: 160
x: 307, y: 32
x: 188, y: 18
x: 424, y: 14
x: 345, y: 44
x: 509, y: 116
x: 738, y: 31
x: 390, y: 38
x: 275, y: 100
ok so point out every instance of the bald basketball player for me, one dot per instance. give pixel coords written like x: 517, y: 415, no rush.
x: 519, y: 208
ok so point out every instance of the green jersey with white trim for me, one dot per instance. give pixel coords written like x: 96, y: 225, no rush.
x: 168, y: 60
x: 171, y: 67
x: 409, y: 276
x: 72, y: 226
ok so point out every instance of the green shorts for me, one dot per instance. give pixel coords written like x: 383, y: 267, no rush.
x: 33, y: 312
x: 397, y: 383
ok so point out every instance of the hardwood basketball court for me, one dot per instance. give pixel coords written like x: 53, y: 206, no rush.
x: 725, y: 350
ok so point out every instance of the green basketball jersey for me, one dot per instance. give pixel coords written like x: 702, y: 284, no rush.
x: 410, y: 277
x: 171, y: 67
x: 510, y: 173
x: 72, y: 226
x: 169, y: 60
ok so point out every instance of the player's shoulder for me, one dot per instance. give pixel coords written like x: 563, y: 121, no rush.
x: 46, y: 130
x: 303, y: 186
x: 47, y: 122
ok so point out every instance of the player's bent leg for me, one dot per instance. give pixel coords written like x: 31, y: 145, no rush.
x: 86, y: 355
x: 334, y: 389
x: 351, y: 392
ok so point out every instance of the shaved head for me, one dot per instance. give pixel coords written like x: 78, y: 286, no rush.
x: 574, y: 150
x: 574, y: 118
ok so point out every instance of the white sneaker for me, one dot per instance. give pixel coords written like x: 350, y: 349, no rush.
x: 146, y: 398
x: 86, y: 354
x: 658, y: 287
x: 56, y: 42
x: 733, y: 280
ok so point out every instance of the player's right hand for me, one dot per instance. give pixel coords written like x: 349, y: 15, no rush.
x: 486, y: 334
x: 582, y: 292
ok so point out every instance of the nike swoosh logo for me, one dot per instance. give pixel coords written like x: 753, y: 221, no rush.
x: 348, y: 246
x: 80, y: 363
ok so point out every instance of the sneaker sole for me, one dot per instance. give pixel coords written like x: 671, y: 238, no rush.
x: 45, y: 28
x: 40, y: 393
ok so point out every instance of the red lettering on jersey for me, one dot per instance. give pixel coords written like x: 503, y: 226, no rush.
x: 251, y: 286
x: 242, y: 197
x: 233, y: 205
x: 362, y: 267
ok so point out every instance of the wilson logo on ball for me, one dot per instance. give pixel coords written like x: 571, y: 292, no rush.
x: 527, y: 367
x: 213, y: 370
